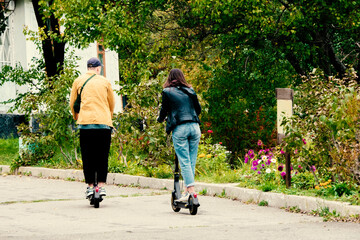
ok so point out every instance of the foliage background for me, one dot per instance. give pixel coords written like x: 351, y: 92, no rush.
x: 234, y: 53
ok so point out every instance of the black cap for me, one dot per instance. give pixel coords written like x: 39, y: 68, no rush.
x: 93, y: 62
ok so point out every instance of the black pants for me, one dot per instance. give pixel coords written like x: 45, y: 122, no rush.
x: 95, y: 146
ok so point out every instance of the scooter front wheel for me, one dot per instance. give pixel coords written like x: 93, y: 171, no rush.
x: 174, y: 208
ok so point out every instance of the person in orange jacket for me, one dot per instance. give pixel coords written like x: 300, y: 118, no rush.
x: 95, y: 123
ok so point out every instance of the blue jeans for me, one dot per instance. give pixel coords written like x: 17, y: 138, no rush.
x: 186, y: 138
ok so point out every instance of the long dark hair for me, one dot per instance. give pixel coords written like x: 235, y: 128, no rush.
x: 176, y: 78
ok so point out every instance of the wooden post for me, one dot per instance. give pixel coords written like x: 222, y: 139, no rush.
x: 288, y: 170
x: 284, y: 98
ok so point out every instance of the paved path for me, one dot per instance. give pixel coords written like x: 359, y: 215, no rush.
x: 34, y: 208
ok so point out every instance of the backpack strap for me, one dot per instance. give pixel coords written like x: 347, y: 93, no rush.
x: 86, y: 83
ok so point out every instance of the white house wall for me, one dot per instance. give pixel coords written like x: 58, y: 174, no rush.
x: 19, y: 39
x: 31, y: 23
x: 112, y: 73
x: 19, y: 52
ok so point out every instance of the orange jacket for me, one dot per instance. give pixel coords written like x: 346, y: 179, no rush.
x: 97, y: 100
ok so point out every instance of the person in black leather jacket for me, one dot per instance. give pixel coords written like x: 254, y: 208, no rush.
x: 181, y: 107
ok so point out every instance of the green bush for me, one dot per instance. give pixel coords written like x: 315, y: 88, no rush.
x: 303, y: 180
x: 240, y: 103
x: 115, y: 166
x: 267, y: 186
x: 163, y: 171
x: 324, y: 129
x: 46, y: 101
x: 138, y: 136
x: 37, y: 148
x: 212, y: 158
x: 342, y: 188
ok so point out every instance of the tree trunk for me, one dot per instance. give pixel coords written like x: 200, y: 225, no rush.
x: 334, y: 60
x: 327, y: 55
x: 53, y: 50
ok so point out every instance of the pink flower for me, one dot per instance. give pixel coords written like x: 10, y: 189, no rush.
x: 210, y: 131
x: 251, y: 153
x: 304, y: 141
x: 220, y: 143
x: 296, y: 151
x: 300, y: 167
x: 280, y: 168
x: 282, y: 151
x: 246, y: 158
x: 259, y: 172
x: 283, y: 175
x: 259, y: 143
x: 255, y: 163
x: 313, y: 168
x: 262, y: 151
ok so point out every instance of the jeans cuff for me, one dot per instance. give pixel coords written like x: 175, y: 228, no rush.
x: 191, y: 185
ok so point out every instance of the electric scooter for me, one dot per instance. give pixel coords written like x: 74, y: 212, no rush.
x: 192, y: 202
x: 95, y: 198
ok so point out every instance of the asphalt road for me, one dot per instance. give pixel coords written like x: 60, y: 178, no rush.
x: 34, y: 208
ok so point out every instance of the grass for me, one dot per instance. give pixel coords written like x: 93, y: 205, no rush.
x: 249, y: 181
x: 9, y: 150
x: 57, y: 161
x: 281, y: 188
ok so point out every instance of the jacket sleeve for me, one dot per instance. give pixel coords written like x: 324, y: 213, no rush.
x: 196, y: 105
x: 164, y: 108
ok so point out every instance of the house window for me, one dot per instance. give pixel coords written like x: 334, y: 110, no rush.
x: 101, y: 57
x: 5, y: 48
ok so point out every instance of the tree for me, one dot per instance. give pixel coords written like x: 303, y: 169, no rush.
x: 308, y: 34
x: 155, y: 36
x: 263, y: 45
x: 241, y: 50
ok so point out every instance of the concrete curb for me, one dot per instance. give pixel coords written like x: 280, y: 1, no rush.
x: 277, y: 200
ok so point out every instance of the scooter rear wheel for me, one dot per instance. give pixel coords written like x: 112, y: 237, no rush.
x: 174, y: 208
x: 192, y: 208
x: 96, y: 203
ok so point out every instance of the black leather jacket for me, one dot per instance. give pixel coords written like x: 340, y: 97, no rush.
x: 179, y: 104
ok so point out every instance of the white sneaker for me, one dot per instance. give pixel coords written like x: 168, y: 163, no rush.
x: 102, y: 191
x: 89, y: 192
x: 184, y: 198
